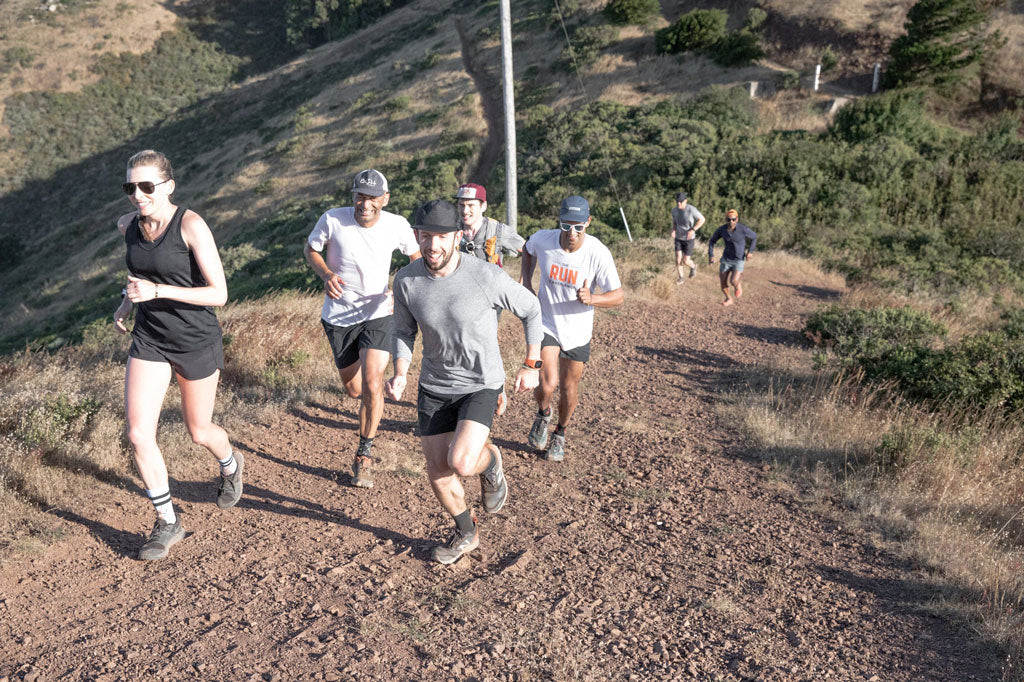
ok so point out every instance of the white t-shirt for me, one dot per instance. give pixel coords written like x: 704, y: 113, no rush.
x: 561, y: 274
x: 361, y: 257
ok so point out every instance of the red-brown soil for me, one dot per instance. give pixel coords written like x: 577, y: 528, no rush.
x: 664, y: 547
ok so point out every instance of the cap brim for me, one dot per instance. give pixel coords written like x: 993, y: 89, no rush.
x: 369, y: 192
x: 437, y: 228
x: 573, y: 216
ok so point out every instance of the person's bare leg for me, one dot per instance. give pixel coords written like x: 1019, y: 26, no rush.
x: 736, y: 286
x: 145, y: 385
x: 443, y: 480
x: 569, y: 373
x: 723, y: 279
x: 680, y: 259
x: 352, y: 379
x: 197, y: 400
x: 371, y: 409
x: 545, y: 390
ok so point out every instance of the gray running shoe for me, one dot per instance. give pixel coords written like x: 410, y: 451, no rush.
x: 556, y: 451
x: 163, y: 536
x: 231, y: 486
x: 693, y: 272
x: 362, y: 476
x: 494, y: 487
x: 539, y: 431
x: 457, y: 545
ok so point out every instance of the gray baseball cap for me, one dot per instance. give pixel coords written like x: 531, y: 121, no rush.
x: 370, y: 182
x: 574, y: 208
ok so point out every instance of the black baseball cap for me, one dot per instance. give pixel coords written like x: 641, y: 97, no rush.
x: 370, y: 182
x: 437, y: 216
x: 682, y: 196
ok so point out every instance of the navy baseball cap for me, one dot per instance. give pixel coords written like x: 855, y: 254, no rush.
x: 437, y: 216
x: 681, y: 196
x: 370, y: 182
x: 574, y: 208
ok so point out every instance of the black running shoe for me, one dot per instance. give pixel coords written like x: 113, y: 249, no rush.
x: 231, y: 486
x: 163, y: 536
x: 457, y: 544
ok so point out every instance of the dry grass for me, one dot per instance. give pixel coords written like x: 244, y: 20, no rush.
x: 949, y: 487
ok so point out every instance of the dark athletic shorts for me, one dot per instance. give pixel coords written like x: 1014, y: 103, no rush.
x: 685, y: 245
x: 192, y: 364
x: 442, y: 413
x: 346, y: 342
x: 579, y: 354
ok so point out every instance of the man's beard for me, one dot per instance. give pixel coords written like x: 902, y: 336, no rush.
x: 444, y: 261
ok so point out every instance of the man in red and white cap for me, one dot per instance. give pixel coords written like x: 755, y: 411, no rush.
x: 483, y: 237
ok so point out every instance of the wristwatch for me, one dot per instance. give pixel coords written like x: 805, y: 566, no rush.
x: 533, y: 364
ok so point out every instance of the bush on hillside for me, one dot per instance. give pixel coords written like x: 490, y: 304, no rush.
x: 857, y: 336
x: 587, y: 43
x: 312, y: 22
x: 632, y: 11
x: 893, y: 114
x: 703, y: 31
x: 694, y: 31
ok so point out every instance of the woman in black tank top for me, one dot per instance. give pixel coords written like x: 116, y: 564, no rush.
x: 175, y: 280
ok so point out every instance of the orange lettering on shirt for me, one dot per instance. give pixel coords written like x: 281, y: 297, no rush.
x: 554, y: 272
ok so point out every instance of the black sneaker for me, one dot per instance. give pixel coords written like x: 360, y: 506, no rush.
x: 457, y: 545
x: 538, y: 437
x: 494, y: 487
x: 163, y: 536
x: 231, y: 486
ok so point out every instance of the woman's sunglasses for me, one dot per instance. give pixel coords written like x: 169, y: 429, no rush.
x: 579, y: 227
x: 146, y: 186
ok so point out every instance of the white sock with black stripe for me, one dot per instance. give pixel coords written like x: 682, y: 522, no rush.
x: 161, y: 499
x: 229, y: 465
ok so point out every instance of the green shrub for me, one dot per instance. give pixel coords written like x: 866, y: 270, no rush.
x: 856, y: 336
x: 632, y: 11
x: 787, y: 80
x: 737, y: 49
x: 755, y: 18
x: 896, y: 114
x: 20, y: 56
x: 587, y: 43
x: 829, y: 59
x: 695, y: 31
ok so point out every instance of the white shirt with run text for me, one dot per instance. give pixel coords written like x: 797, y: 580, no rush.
x: 361, y: 257
x: 561, y: 274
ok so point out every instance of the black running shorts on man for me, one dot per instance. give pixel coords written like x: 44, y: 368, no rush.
x: 579, y: 354
x: 442, y: 413
x: 685, y: 245
x: 346, y: 342
x: 190, y: 364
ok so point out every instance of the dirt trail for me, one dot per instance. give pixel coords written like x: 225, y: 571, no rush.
x: 490, y: 101
x: 662, y: 548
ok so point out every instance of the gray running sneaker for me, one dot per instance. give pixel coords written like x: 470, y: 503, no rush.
x: 693, y: 272
x: 231, y: 486
x: 494, y: 487
x: 362, y: 476
x: 457, y: 545
x: 556, y: 451
x: 539, y: 431
x: 163, y: 536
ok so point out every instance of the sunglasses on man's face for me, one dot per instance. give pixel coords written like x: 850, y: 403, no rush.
x: 732, y: 220
x: 146, y: 186
x: 579, y: 227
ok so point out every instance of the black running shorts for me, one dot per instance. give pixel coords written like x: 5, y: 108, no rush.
x: 191, y: 365
x: 442, y: 413
x: 579, y: 354
x: 346, y: 342
x: 685, y: 245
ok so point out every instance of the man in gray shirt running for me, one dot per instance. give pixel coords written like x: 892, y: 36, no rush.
x: 461, y: 374
x: 686, y: 220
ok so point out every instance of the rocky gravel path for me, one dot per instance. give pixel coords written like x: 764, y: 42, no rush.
x: 664, y: 547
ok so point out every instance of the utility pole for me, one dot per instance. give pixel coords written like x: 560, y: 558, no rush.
x: 511, y: 197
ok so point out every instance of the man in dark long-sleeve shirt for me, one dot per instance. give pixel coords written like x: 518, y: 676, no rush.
x: 735, y: 235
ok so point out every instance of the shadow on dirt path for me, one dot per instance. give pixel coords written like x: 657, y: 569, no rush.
x: 665, y: 546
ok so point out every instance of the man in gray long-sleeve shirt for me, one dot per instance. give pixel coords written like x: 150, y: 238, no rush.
x: 451, y: 300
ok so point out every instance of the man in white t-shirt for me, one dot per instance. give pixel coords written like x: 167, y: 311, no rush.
x: 356, y: 314
x: 572, y: 263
